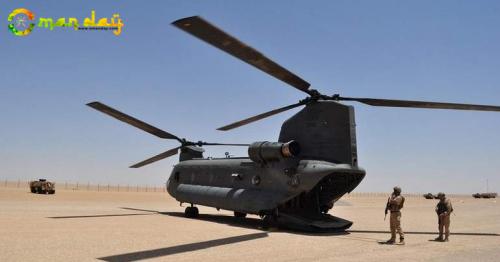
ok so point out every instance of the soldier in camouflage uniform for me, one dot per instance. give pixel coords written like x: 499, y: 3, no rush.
x: 395, y: 204
x: 443, y: 210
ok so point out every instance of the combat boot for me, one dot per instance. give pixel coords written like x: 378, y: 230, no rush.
x: 390, y: 241
x: 402, y: 241
x: 440, y: 238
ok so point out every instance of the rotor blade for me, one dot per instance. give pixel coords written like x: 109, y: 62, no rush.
x: 207, y: 32
x: 161, y: 156
x: 223, y: 144
x: 259, y: 117
x: 132, y: 121
x: 421, y: 104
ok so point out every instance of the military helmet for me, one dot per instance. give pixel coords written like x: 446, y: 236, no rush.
x: 440, y: 194
x: 397, y: 189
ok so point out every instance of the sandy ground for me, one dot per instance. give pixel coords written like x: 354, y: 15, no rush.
x: 120, y: 226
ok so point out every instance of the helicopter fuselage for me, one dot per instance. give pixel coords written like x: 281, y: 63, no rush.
x: 300, y: 188
x: 305, y: 187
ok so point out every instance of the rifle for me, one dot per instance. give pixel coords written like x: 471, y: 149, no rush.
x: 387, y: 207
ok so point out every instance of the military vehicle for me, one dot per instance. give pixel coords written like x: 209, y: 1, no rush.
x: 42, y: 186
x: 293, y: 181
x: 430, y: 196
x: 485, y: 195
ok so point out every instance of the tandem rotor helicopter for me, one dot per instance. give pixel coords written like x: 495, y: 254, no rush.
x: 292, y: 182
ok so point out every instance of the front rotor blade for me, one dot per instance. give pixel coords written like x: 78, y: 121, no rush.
x: 258, y: 117
x: 207, y: 32
x: 421, y: 104
x: 132, y: 121
x: 161, y: 156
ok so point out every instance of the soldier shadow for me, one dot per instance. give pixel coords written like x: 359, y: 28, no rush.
x: 389, y: 244
x: 425, y: 233
x: 434, y: 240
x: 167, y: 251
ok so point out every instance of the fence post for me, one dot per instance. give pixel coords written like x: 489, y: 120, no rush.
x: 108, y: 187
x: 118, y: 187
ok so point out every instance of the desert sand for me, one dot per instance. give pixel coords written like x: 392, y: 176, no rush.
x: 128, y: 226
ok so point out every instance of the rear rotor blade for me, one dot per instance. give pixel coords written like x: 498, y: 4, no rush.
x: 420, y: 104
x: 161, y: 156
x: 207, y: 32
x: 260, y: 116
x: 132, y: 121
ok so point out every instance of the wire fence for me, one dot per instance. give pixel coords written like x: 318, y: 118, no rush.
x: 77, y: 186
x: 406, y: 195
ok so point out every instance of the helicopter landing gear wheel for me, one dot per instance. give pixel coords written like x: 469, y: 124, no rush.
x: 239, y: 214
x: 268, y: 221
x: 191, y: 212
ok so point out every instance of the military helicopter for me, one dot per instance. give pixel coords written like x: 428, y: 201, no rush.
x: 294, y: 181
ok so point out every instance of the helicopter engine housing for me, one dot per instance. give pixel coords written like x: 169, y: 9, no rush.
x: 264, y: 151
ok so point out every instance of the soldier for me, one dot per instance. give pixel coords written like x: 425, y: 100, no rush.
x: 395, y: 204
x: 443, y: 210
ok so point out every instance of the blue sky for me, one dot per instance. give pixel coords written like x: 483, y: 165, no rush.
x: 428, y: 50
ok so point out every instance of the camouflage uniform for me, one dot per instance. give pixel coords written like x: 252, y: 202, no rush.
x: 443, y: 210
x: 395, y: 204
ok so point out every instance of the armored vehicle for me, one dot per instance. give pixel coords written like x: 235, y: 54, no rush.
x: 485, y: 195
x: 42, y: 186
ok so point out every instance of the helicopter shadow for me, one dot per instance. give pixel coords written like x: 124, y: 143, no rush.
x: 167, y: 251
x: 247, y: 223
x: 92, y: 216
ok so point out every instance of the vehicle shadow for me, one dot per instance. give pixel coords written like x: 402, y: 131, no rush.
x: 161, y: 252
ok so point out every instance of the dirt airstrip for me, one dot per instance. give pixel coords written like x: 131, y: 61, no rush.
x: 128, y: 226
